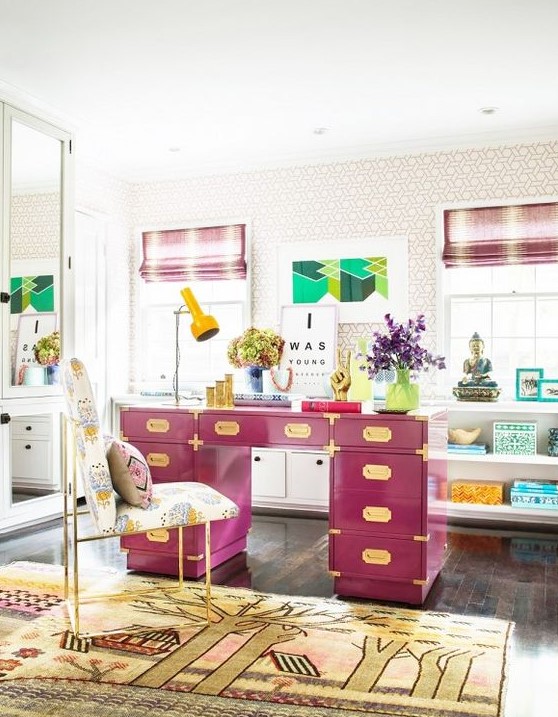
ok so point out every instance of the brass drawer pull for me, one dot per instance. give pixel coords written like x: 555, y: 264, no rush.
x: 298, y: 430
x: 158, y: 460
x: 161, y: 535
x: 376, y: 472
x: 377, y: 434
x: 227, y: 428
x: 376, y: 514
x: 371, y: 556
x: 157, y: 425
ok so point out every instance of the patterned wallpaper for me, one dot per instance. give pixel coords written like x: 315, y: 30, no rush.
x: 358, y: 199
x: 35, y: 226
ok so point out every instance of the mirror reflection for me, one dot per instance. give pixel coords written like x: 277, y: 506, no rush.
x: 35, y: 237
x: 35, y: 270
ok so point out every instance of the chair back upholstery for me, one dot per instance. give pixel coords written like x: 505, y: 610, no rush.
x: 89, y: 445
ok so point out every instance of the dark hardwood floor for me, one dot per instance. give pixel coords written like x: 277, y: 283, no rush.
x: 492, y: 573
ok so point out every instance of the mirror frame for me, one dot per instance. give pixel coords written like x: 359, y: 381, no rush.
x: 66, y: 302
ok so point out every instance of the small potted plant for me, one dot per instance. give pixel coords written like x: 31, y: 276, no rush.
x: 399, y: 349
x: 255, y: 350
x: 47, y: 353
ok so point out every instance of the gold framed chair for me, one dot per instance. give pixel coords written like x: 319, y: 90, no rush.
x: 171, y: 505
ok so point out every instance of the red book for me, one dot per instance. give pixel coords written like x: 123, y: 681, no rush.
x: 332, y: 406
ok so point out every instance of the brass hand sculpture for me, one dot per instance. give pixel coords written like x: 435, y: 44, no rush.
x: 341, y: 378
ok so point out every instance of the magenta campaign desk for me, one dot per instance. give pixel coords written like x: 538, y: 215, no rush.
x: 387, y: 488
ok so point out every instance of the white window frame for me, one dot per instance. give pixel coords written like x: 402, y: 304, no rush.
x: 446, y: 383
x: 200, y: 378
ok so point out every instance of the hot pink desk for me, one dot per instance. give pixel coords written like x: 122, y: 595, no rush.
x: 387, y: 488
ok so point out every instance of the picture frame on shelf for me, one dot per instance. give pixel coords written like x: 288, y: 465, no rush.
x: 527, y: 383
x: 548, y: 389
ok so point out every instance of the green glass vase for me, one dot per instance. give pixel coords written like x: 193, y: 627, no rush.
x: 403, y: 395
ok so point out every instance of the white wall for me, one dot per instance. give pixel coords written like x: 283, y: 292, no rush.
x: 382, y: 196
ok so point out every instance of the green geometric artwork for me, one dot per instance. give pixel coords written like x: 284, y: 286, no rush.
x: 36, y: 292
x: 346, y: 280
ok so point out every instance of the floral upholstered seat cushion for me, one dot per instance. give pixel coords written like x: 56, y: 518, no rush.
x: 129, y: 472
x: 174, y: 504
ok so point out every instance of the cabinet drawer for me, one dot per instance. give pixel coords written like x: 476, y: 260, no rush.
x: 261, y: 429
x: 168, y: 462
x: 31, y: 427
x: 31, y: 460
x: 379, y: 431
x: 389, y: 474
x: 156, y: 425
x: 377, y: 557
x: 376, y: 513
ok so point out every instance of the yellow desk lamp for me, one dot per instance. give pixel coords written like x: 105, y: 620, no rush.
x: 203, y: 327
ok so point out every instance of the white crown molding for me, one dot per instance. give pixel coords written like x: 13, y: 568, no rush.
x: 22, y: 100
x: 343, y: 154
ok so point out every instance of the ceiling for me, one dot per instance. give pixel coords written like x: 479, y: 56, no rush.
x: 167, y: 88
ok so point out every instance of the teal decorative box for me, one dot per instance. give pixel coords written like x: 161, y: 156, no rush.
x: 515, y: 438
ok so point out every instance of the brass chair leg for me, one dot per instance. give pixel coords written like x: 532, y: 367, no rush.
x: 208, y: 570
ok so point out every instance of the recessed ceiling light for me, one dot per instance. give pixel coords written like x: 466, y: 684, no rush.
x: 488, y: 110
x: 320, y: 130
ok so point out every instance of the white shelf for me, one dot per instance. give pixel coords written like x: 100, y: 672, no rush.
x: 502, y: 513
x: 539, y: 459
x: 499, y: 467
x: 500, y: 406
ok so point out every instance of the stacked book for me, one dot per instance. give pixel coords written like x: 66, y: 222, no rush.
x: 472, y: 449
x: 534, y: 494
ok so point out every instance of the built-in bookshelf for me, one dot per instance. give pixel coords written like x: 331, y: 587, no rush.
x: 502, y: 467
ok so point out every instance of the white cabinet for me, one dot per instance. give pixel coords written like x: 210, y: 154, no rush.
x: 290, y: 479
x: 32, y: 455
x: 504, y: 468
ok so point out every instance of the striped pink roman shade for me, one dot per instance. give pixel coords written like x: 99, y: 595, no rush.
x: 203, y: 253
x: 493, y: 236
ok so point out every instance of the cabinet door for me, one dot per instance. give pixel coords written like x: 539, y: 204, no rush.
x: 308, y: 477
x: 268, y: 473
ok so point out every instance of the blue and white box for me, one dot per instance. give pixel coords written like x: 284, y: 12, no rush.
x: 515, y: 438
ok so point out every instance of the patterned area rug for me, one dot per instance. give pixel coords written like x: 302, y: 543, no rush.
x: 262, y: 654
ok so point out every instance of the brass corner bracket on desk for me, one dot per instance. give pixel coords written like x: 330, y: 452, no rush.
x: 332, y: 417
x: 423, y: 452
x: 331, y: 448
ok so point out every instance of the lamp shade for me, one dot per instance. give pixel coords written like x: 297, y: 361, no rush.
x: 203, y: 326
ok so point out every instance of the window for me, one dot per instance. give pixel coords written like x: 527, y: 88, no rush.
x: 228, y: 299
x: 511, y: 304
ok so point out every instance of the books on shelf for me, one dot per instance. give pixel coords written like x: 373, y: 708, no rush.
x: 471, y: 449
x: 536, y: 486
x: 540, y: 500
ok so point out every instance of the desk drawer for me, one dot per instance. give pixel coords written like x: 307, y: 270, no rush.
x: 377, y: 557
x: 372, y: 512
x: 261, y: 430
x: 386, y: 473
x: 156, y: 424
x: 380, y: 431
x: 168, y: 462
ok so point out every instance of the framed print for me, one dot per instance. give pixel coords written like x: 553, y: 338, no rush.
x: 526, y: 383
x: 366, y: 279
x: 30, y: 328
x: 34, y: 287
x: 548, y: 389
x: 310, y: 333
